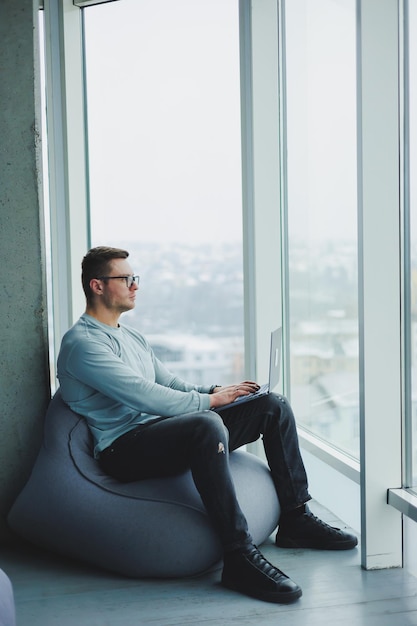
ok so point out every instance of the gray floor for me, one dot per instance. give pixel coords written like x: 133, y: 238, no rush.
x: 56, y: 592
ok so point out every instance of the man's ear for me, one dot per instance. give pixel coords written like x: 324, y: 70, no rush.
x: 96, y: 286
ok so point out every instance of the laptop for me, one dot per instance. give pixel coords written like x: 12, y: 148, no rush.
x: 274, y: 372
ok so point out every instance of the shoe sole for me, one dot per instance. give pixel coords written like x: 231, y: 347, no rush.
x: 266, y: 596
x: 289, y: 543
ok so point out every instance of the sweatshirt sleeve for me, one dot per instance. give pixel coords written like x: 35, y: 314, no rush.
x: 92, y: 366
x: 164, y: 377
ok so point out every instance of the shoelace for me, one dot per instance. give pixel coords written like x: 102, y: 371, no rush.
x: 330, y: 530
x: 257, y: 558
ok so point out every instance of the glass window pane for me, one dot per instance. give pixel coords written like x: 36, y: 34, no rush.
x: 165, y: 171
x: 322, y: 218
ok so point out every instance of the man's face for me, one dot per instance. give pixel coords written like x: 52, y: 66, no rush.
x: 116, y: 295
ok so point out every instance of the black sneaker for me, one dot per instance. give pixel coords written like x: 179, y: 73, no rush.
x: 308, y: 531
x: 250, y: 573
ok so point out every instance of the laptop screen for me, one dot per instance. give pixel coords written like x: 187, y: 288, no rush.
x: 275, y: 358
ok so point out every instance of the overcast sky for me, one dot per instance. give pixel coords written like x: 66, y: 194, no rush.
x: 164, y: 119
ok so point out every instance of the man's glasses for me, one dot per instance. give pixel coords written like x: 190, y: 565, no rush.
x: 129, y: 279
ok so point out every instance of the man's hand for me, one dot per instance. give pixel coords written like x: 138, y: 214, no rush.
x: 225, y: 395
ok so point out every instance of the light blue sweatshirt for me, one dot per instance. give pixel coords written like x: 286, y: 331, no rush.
x: 112, y: 378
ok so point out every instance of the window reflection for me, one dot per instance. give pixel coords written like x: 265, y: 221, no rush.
x: 322, y: 209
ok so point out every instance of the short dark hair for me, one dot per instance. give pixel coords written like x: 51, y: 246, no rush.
x: 97, y: 263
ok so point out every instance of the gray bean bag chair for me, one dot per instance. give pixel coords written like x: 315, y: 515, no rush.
x: 150, y: 528
x: 7, y: 610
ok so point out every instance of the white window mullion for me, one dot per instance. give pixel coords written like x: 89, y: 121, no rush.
x: 379, y: 279
x: 67, y: 158
x: 261, y: 179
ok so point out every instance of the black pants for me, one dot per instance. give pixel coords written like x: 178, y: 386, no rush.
x: 201, y: 442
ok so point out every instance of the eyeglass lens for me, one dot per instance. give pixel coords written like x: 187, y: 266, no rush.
x: 132, y: 279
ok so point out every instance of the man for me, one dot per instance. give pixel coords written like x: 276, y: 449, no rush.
x: 146, y: 422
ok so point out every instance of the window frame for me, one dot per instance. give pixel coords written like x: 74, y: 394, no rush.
x: 67, y: 160
x: 263, y: 109
x: 379, y: 279
x: 404, y: 498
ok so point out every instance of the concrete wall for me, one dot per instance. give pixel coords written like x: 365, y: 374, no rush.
x: 24, y: 371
